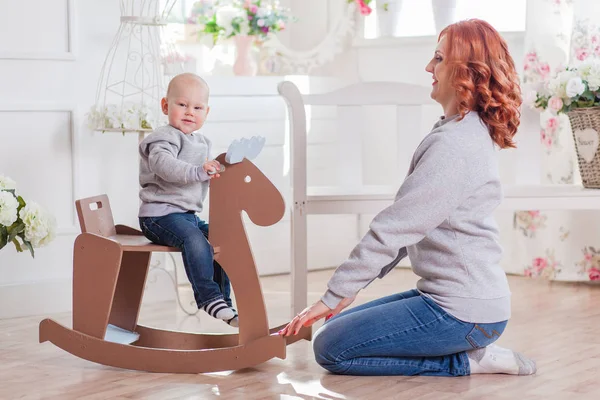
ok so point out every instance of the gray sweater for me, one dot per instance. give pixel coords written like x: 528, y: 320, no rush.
x: 442, y: 218
x: 171, y: 175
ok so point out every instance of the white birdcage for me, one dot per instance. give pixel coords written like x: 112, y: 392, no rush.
x: 133, y: 78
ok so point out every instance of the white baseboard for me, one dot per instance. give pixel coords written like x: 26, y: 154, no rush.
x: 51, y: 297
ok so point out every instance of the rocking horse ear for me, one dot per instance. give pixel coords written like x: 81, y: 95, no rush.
x: 255, y: 146
x: 235, y: 152
x: 244, y: 148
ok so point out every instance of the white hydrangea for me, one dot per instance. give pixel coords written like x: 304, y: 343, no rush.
x: 225, y: 15
x: 557, y: 86
x: 575, y: 87
x: 7, y: 183
x: 40, y: 226
x: 590, y: 72
x: 8, y: 208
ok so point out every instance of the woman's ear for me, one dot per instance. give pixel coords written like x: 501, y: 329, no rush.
x: 164, y: 104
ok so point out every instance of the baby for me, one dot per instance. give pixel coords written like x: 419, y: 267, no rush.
x: 174, y: 176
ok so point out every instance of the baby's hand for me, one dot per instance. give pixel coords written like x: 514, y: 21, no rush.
x: 212, y: 168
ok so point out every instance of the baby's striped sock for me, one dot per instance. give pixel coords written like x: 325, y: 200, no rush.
x: 235, y: 321
x: 220, y: 310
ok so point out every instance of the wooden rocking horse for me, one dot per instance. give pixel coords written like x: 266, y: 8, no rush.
x: 109, y: 272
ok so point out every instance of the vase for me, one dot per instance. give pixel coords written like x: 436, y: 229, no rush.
x: 388, y: 15
x: 444, y: 13
x: 244, y: 64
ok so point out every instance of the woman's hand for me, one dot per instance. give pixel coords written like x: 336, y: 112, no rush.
x: 312, y: 314
x: 213, y: 167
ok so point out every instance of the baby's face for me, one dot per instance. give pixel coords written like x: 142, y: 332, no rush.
x: 187, y: 107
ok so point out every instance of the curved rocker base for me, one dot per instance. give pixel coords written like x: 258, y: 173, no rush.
x: 187, y: 352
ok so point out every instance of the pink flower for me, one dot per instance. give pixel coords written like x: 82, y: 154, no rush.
x: 531, y: 56
x: 545, y: 138
x: 552, y: 123
x: 544, y: 70
x: 281, y: 25
x: 363, y: 7
x: 581, y: 53
x: 555, y: 104
x: 528, y: 272
x: 265, y: 29
x: 594, y: 274
x: 588, y: 256
x: 534, y: 213
x: 253, y: 8
x: 539, y: 263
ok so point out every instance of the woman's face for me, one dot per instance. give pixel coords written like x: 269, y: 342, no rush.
x: 442, y: 90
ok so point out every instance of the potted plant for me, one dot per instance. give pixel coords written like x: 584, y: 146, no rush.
x: 24, y: 224
x: 247, y: 22
x: 575, y: 91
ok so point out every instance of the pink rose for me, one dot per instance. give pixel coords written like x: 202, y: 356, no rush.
x: 363, y: 7
x: 253, y: 8
x: 539, y: 263
x: 544, y: 70
x: 552, y: 124
x: 555, y: 104
x: 581, y: 54
x: 594, y: 274
x: 534, y: 213
x: 531, y: 56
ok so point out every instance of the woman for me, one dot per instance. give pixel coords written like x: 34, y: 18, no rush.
x: 442, y: 219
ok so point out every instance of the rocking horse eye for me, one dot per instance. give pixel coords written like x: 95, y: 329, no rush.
x: 247, y: 179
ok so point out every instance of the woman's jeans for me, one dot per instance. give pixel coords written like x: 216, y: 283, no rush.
x: 190, y: 234
x: 402, y: 334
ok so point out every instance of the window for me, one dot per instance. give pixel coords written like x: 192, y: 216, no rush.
x: 416, y: 17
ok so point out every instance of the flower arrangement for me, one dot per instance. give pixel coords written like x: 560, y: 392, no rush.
x: 571, y: 88
x: 229, y: 18
x: 363, y: 6
x: 24, y: 224
x: 129, y: 117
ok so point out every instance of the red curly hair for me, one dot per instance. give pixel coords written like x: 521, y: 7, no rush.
x: 484, y: 77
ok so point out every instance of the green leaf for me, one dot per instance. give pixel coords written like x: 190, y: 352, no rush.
x: 17, y: 245
x: 21, y: 203
x: 15, y: 229
x: 30, y: 247
x: 3, y: 236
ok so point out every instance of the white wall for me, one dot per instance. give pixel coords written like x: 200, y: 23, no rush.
x: 50, y: 68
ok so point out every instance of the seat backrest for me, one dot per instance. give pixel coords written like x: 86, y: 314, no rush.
x: 95, y: 216
x: 392, y: 112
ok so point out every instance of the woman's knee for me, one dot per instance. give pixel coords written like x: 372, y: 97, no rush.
x: 325, y: 351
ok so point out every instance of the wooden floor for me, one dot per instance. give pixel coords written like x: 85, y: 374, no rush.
x: 557, y: 324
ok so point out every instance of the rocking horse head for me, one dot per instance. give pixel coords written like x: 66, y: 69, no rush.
x: 243, y: 186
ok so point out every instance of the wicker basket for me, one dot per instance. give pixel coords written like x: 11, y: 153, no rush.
x: 585, y: 123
